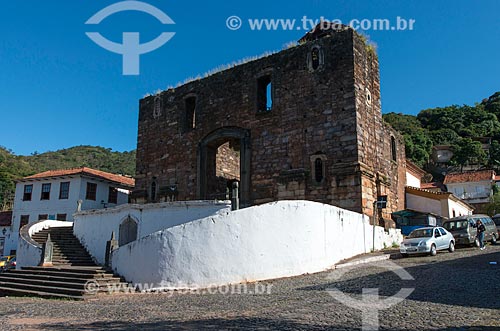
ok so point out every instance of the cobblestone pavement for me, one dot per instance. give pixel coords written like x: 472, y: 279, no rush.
x: 453, y: 291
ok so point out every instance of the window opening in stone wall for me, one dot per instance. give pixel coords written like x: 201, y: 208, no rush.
x: 315, y: 58
x: 393, y: 149
x: 190, y: 123
x: 318, y: 170
x: 153, y: 191
x: 264, y: 94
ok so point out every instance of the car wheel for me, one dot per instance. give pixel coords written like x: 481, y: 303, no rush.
x: 493, y: 239
x: 404, y: 254
x: 433, y: 251
x: 451, y: 248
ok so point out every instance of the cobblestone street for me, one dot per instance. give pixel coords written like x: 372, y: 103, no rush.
x: 453, y: 291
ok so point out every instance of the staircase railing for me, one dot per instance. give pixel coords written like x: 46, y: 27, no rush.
x: 29, y: 252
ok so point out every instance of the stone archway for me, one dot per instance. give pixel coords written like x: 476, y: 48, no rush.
x: 128, y: 231
x: 207, y: 158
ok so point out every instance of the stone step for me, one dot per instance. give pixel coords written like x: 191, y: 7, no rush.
x: 83, y: 270
x: 65, y: 283
x: 29, y: 276
x: 66, y: 274
x: 41, y: 288
x: 48, y: 295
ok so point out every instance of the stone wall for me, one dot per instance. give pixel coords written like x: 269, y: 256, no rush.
x: 323, y: 139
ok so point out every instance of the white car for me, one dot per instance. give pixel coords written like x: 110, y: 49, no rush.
x: 427, y: 240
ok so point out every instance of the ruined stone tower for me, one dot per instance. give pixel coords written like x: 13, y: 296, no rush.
x: 304, y: 123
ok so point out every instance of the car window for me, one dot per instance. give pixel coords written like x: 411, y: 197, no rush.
x: 442, y: 231
x: 487, y: 220
x: 436, y: 233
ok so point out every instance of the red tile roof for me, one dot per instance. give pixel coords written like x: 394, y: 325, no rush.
x: 5, y: 218
x: 124, y: 180
x: 433, y: 185
x: 470, y: 176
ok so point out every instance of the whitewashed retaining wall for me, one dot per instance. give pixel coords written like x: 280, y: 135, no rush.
x: 29, y: 253
x: 278, y: 239
x: 94, y: 227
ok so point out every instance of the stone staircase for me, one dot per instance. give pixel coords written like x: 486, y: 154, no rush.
x: 73, y: 275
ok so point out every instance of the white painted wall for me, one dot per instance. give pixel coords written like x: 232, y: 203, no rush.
x: 93, y: 228
x: 29, y: 254
x: 54, y: 206
x: 475, y: 192
x: 459, y: 208
x: 423, y: 204
x: 412, y: 180
x: 278, y: 239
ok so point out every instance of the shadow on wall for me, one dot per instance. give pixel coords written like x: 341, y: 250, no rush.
x: 239, y: 323
x: 434, y: 282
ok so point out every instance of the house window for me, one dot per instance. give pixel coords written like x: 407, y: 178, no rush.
x: 28, y: 190
x: 91, y: 191
x: 45, y: 192
x: 264, y: 94
x: 190, y: 122
x: 64, y: 190
x: 153, y: 191
x: 61, y: 217
x: 43, y: 217
x: 113, y: 195
x: 315, y: 58
x: 393, y: 149
x: 24, y: 220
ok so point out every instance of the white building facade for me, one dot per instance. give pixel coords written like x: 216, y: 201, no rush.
x: 57, y: 195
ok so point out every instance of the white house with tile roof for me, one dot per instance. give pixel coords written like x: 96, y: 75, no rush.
x: 55, y: 195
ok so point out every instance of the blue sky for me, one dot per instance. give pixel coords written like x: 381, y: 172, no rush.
x: 58, y: 89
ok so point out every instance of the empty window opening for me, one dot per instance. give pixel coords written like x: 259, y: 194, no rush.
x: 264, y: 94
x: 318, y: 170
x: 315, y: 58
x: 153, y: 191
x: 393, y: 149
x: 190, y: 122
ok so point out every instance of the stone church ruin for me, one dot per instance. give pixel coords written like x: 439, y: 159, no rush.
x: 304, y: 123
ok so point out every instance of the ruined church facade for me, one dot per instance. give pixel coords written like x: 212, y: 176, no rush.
x: 304, y: 123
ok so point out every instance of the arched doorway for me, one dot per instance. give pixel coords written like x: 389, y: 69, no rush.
x: 220, y: 154
x: 128, y: 231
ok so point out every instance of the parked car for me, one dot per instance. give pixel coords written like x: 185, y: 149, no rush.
x: 427, y: 240
x: 4, y: 260
x: 464, y: 229
x: 496, y: 220
x: 10, y: 265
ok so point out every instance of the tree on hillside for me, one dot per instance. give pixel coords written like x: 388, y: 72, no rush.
x: 467, y: 152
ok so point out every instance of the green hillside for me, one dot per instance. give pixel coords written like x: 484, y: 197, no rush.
x: 458, y: 126
x: 13, y: 166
